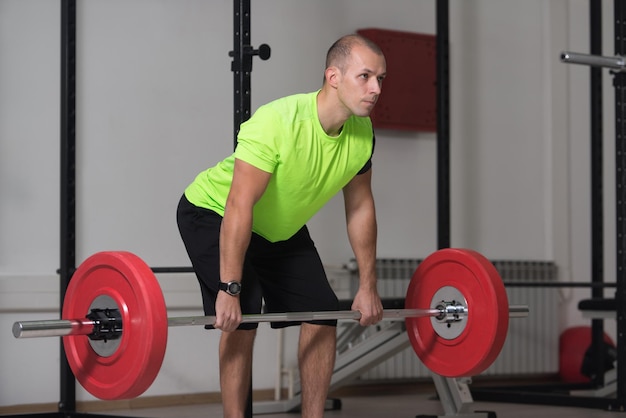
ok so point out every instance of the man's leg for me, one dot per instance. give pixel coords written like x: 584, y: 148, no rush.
x: 236, y: 370
x: 316, y: 357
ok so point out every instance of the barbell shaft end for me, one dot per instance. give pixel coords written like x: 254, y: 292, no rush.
x: 52, y: 328
x: 518, y: 311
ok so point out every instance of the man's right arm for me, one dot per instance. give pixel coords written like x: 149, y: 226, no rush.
x: 248, y: 185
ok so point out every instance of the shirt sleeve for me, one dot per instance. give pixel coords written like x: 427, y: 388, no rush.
x: 257, y: 141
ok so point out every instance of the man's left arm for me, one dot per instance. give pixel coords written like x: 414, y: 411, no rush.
x: 362, y: 233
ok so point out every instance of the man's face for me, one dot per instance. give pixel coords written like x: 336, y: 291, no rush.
x: 361, y: 82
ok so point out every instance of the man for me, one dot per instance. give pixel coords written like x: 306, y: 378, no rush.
x: 243, y: 220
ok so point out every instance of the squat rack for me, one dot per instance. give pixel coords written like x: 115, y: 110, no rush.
x: 242, y: 66
x: 582, y: 395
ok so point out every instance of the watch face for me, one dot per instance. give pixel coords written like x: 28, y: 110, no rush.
x: 234, y: 288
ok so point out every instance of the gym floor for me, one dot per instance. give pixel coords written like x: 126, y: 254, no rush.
x: 407, y: 403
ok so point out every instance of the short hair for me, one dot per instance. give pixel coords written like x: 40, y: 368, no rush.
x: 339, y: 52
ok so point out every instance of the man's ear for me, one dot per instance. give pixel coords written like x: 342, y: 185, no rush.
x: 332, y: 75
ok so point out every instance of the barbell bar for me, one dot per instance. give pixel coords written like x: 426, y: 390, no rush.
x: 65, y: 327
x: 114, y: 325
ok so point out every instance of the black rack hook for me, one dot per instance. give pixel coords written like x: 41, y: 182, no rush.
x: 243, y: 61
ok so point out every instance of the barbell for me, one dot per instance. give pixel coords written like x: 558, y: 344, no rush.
x: 115, y: 322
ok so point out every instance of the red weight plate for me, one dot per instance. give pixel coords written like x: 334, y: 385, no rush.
x: 132, y: 368
x: 480, y: 342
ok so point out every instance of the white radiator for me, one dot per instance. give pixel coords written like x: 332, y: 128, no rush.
x: 532, y: 343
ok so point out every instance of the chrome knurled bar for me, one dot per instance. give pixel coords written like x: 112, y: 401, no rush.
x: 64, y: 327
x: 388, y: 314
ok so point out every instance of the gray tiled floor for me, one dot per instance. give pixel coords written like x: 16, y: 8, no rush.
x: 387, y: 406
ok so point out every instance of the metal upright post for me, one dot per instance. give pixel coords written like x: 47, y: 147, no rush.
x: 67, y: 401
x: 443, y: 125
x: 242, y: 76
x: 620, y: 199
x: 597, y: 192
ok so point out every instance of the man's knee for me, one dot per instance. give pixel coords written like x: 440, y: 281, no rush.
x: 314, y: 335
x: 239, y: 339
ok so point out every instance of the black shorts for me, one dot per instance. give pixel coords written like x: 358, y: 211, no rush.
x: 287, y: 275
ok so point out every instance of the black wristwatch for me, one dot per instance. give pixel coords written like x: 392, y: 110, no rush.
x: 232, y: 288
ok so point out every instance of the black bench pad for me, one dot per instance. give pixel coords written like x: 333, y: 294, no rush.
x: 598, y: 304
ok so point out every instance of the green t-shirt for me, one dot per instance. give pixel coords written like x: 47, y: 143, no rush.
x: 308, y: 167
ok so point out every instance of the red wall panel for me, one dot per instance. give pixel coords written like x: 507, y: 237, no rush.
x: 408, y: 100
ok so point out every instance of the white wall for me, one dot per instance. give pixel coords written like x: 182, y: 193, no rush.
x: 155, y: 107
